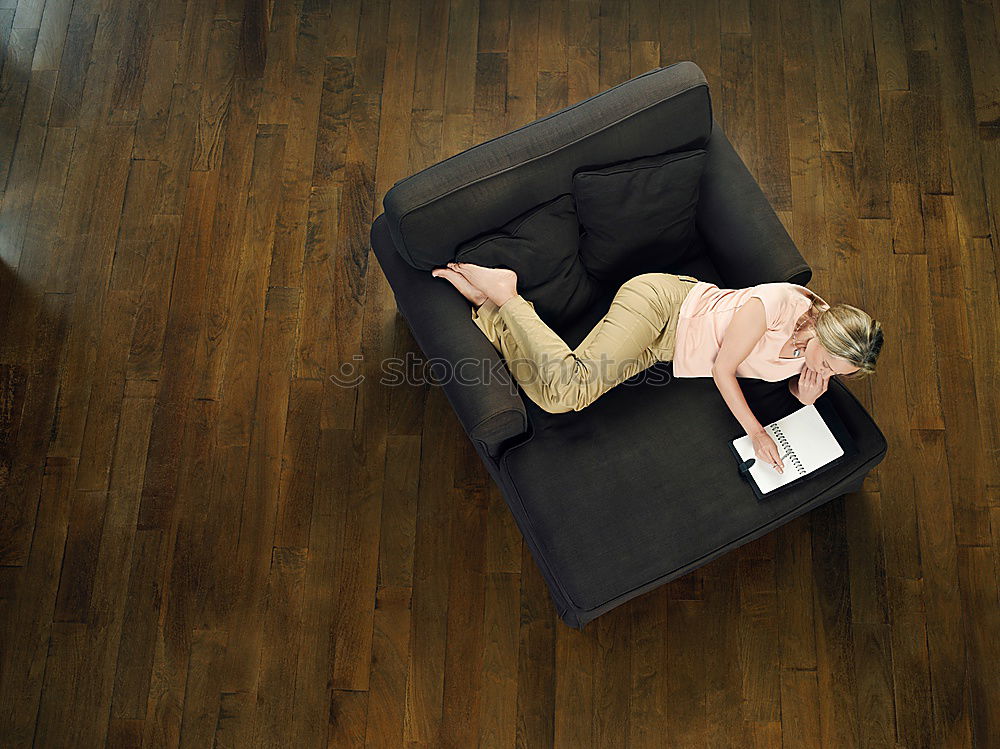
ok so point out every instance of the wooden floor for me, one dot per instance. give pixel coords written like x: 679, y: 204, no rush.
x: 206, y: 539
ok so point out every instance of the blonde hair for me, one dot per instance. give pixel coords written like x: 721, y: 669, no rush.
x: 848, y: 333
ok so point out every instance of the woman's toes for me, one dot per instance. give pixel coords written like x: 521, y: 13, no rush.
x: 464, y: 286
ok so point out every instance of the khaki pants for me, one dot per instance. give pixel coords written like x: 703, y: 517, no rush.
x: 638, y: 331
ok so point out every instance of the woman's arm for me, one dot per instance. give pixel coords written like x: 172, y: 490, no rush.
x: 793, y: 388
x: 744, y: 330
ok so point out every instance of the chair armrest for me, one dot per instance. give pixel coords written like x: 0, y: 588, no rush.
x: 743, y: 236
x: 482, y: 393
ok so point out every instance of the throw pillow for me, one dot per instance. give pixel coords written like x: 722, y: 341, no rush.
x: 638, y: 216
x: 542, y: 247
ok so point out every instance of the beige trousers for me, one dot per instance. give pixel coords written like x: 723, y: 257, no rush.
x: 638, y: 331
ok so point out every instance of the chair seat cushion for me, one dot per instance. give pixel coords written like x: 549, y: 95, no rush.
x: 638, y: 216
x: 542, y: 246
x: 645, y: 486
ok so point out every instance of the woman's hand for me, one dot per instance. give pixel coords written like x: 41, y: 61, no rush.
x: 811, y: 385
x: 766, y: 450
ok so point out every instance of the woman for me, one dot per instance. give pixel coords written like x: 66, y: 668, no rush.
x: 772, y: 331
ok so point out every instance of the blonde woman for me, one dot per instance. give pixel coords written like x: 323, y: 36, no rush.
x: 772, y: 331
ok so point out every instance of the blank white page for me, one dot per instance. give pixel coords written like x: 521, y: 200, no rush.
x: 805, y: 436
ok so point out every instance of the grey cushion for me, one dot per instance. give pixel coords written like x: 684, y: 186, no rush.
x: 432, y: 212
x: 638, y: 216
x: 542, y: 246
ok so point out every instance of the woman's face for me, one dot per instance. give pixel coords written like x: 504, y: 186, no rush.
x: 820, y: 360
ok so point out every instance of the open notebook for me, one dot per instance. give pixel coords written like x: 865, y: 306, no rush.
x: 810, y: 438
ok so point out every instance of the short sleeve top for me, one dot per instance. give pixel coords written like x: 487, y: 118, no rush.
x: 706, y: 313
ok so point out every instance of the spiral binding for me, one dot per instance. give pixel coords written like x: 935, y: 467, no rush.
x: 786, y: 447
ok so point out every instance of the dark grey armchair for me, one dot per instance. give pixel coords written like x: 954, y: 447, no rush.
x: 640, y: 487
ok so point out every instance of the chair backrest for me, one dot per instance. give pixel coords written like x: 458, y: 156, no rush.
x: 433, y: 211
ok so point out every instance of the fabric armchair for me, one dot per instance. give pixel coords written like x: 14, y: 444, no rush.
x: 640, y: 487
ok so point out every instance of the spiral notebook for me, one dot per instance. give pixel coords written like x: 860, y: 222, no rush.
x: 810, y: 439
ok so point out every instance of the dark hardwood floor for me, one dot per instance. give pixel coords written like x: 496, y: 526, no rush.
x: 207, y: 541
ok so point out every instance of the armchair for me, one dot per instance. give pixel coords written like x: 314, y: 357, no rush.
x: 638, y: 488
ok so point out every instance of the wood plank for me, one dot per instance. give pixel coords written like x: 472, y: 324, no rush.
x: 522, y: 67
x: 79, y: 365
x: 889, y: 46
x: 835, y: 650
x: 869, y: 598
x: 32, y: 246
x: 463, y: 664
x: 260, y: 487
x: 27, y: 628
x: 154, y: 105
x: 942, y: 599
x: 145, y: 354
x: 320, y: 710
x: 918, y: 27
x: 104, y: 410
x: 204, y: 678
x: 390, y: 650
x: 910, y: 669
x: 648, y: 652
x: 871, y: 181
x: 874, y: 684
x: 21, y: 156
x: 537, y: 652
x: 800, y: 707
x: 794, y: 589
x: 585, y: 60
x: 612, y: 639
x: 898, y: 118
x: 299, y: 452
x: 282, y: 624
x: 685, y: 674
x: 931, y: 157
x: 250, y: 160
x: 981, y: 294
x: 498, y: 686
x: 804, y: 141
x: 643, y: 22
x: 981, y: 603
x: 959, y: 117
x: 553, y: 38
x: 707, y: 43
x: 676, y: 26
x: 758, y: 641
x: 723, y: 670
x: 27, y: 461
x: 735, y: 109
x: 831, y: 77
x: 769, y: 86
x: 984, y: 62
x: 428, y: 628
x: 575, y: 651
x: 951, y: 313
x: 735, y: 16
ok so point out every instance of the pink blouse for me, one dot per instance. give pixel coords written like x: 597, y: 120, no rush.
x: 705, y: 315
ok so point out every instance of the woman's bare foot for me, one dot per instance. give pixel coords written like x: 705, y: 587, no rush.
x: 461, y: 283
x: 499, y: 284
